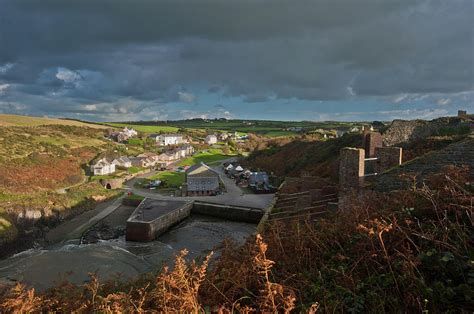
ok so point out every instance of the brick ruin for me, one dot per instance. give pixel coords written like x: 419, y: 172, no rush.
x: 352, y: 164
x: 387, y: 157
x: 372, y: 140
x: 462, y: 113
x: 351, y: 167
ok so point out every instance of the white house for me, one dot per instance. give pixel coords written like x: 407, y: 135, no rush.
x: 102, y: 167
x: 211, y: 139
x: 169, y: 139
x: 129, y: 132
x: 124, y: 162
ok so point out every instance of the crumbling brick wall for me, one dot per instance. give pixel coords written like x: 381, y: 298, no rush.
x: 372, y: 140
x: 388, y: 157
x: 351, y: 167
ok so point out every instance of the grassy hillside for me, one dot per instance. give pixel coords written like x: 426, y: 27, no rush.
x: 16, y: 120
x: 19, y: 142
x: 42, y: 168
x: 319, y: 158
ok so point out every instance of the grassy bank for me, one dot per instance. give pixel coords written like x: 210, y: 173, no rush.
x: 169, y: 179
x: 208, y: 156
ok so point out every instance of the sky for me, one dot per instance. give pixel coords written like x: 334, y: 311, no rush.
x: 347, y: 60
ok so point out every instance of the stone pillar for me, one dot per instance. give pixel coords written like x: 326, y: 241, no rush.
x: 184, y: 189
x: 388, y: 157
x: 372, y: 140
x: 351, y: 167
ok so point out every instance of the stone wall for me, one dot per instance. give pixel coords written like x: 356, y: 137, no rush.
x: 457, y: 154
x: 388, y: 157
x: 233, y: 213
x: 143, y: 231
x: 372, y: 140
x: 112, y: 183
x: 351, y: 167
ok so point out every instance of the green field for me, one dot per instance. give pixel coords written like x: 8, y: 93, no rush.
x: 169, y: 178
x: 209, y: 156
x: 261, y: 127
x: 146, y: 128
x: 134, y: 170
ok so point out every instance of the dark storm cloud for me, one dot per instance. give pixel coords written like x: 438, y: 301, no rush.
x: 155, y: 52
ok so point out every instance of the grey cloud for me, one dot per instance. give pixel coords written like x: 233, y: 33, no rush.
x: 151, y: 51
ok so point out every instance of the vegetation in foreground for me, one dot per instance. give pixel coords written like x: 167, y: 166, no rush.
x: 409, y: 251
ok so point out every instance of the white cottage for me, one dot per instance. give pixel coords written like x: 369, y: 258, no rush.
x: 168, y: 139
x: 103, y: 167
x: 211, y: 139
x: 123, y: 162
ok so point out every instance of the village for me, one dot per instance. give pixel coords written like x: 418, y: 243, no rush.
x: 172, y: 170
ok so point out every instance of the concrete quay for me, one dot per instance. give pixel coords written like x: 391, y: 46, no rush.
x: 153, y: 217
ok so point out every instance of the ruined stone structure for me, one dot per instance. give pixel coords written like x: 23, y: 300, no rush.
x: 462, y: 113
x: 372, y: 140
x: 351, y: 167
x: 457, y: 154
x: 402, y: 131
x: 387, y: 157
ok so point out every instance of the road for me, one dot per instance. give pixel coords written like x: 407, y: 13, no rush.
x: 233, y: 196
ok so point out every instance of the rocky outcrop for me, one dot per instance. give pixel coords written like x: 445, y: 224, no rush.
x: 403, y: 131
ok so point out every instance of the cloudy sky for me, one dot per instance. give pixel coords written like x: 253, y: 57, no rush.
x: 285, y: 60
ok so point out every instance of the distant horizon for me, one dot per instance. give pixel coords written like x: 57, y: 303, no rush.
x: 221, y: 118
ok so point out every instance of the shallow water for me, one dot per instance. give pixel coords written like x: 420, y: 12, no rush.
x: 43, y: 267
